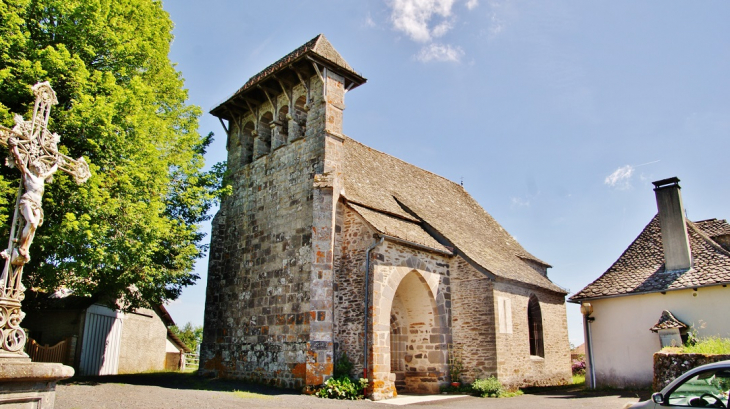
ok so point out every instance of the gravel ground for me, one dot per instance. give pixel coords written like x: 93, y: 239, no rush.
x: 187, y: 391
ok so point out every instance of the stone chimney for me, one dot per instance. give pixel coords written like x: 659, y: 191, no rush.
x: 677, y: 255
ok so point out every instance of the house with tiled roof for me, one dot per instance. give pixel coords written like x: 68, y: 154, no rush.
x: 330, y: 251
x: 673, y: 275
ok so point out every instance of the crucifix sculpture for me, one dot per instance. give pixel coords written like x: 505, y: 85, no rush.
x: 34, y: 151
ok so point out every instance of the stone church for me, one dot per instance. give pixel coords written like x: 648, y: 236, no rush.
x: 329, y: 248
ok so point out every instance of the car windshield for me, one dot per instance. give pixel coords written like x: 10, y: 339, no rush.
x: 706, y: 389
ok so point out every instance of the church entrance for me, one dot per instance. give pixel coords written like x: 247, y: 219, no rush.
x: 418, y: 349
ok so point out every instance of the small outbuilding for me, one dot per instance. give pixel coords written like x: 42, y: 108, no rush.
x: 97, y: 340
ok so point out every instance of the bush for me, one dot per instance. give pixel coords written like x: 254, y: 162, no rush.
x: 579, y: 366
x: 490, y: 387
x: 343, y: 367
x: 706, y: 346
x: 343, y: 388
x: 709, y: 346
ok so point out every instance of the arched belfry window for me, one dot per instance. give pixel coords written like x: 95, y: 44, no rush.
x: 246, y: 140
x: 534, y: 322
x: 262, y: 145
x: 299, y: 124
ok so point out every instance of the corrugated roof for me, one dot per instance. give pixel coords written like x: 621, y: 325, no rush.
x: 380, y: 181
x: 640, y: 269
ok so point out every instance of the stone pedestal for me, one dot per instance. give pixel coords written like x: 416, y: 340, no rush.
x: 30, y: 385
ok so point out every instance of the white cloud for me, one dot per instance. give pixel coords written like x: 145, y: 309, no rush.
x: 442, y: 28
x: 413, y: 17
x: 369, y: 22
x: 517, y: 202
x: 620, y: 178
x: 440, y: 52
x: 470, y: 4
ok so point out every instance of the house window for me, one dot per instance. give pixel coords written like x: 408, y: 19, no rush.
x: 534, y: 322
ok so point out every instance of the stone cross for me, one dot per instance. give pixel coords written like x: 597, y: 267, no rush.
x: 34, y: 151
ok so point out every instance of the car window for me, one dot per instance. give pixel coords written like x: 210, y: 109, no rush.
x: 706, y: 389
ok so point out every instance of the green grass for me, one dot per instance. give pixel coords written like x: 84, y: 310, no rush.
x: 511, y: 394
x: 706, y: 346
x: 579, y: 379
x: 250, y: 395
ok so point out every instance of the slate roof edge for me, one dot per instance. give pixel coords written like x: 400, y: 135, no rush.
x: 414, y: 244
x: 666, y: 290
x: 535, y: 259
x: 385, y: 212
x: 304, y: 51
x: 398, y: 239
x: 562, y: 290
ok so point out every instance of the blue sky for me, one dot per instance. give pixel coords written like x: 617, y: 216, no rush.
x: 556, y: 115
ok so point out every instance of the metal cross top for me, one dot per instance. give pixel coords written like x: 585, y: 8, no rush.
x: 34, y: 151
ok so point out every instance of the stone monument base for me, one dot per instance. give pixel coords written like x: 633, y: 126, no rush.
x: 30, y: 385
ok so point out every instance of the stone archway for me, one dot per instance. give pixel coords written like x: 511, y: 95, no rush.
x: 418, y: 347
x: 397, y: 293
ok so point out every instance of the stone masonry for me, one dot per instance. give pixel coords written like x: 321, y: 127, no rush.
x: 289, y: 273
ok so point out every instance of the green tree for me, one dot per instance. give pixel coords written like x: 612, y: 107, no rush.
x: 129, y: 234
x: 190, y: 334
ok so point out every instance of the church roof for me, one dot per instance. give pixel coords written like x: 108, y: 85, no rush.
x: 397, y: 189
x: 318, y: 49
x: 640, y: 269
x: 398, y: 227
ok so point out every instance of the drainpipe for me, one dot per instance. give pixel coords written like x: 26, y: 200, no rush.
x: 587, y: 309
x: 376, y: 243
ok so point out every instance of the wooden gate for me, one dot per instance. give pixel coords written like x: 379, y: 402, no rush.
x: 44, y: 353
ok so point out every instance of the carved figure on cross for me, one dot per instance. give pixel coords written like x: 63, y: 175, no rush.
x: 34, y: 151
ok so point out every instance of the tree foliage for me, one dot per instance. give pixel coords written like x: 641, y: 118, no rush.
x: 191, y: 335
x: 129, y: 234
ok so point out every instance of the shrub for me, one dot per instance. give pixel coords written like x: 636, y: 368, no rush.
x: 343, y: 366
x: 579, y: 366
x: 709, y: 346
x: 490, y: 387
x: 343, y: 388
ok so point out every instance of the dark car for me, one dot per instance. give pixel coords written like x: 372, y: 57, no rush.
x: 706, y: 386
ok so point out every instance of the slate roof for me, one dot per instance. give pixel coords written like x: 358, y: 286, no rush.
x: 668, y: 321
x: 640, y: 269
x: 318, y: 47
x: 397, y: 227
x: 393, y: 187
x: 714, y: 227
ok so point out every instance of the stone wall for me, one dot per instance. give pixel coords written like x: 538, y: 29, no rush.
x: 473, y: 322
x: 258, y: 312
x: 669, y: 366
x: 352, y: 242
x: 516, y: 367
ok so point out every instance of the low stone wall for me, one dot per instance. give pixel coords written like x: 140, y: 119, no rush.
x: 669, y: 366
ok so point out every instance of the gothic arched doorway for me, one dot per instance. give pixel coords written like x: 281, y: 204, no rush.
x: 418, y: 352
